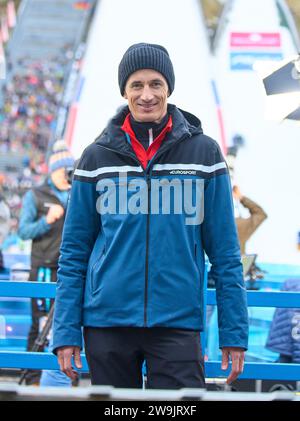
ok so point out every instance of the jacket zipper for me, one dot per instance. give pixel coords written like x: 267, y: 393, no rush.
x: 147, y: 253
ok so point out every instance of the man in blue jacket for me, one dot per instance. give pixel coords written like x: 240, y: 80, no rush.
x: 149, y: 198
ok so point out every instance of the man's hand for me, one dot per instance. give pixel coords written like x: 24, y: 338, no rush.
x: 64, y: 355
x: 237, y: 356
x: 54, y: 213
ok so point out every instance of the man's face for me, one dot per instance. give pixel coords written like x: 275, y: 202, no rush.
x: 147, y: 92
x: 59, y: 179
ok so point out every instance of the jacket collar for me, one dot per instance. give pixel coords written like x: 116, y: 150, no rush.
x: 184, y: 125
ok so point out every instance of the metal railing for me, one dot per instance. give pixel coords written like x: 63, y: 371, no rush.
x: 252, y: 370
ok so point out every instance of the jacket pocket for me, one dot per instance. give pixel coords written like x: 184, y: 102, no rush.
x: 95, y: 283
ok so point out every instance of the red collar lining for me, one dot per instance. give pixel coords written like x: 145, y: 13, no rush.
x: 143, y: 155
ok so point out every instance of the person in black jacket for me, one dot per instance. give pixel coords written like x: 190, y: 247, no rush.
x: 42, y: 219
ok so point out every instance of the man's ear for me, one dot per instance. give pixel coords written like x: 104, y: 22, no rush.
x: 125, y: 95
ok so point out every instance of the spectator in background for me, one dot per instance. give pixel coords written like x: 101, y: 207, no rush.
x: 246, y: 226
x: 42, y: 219
x: 284, y: 334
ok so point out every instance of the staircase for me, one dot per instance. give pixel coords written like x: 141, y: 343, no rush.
x: 47, y: 29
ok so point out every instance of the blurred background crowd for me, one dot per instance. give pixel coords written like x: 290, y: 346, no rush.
x: 31, y: 96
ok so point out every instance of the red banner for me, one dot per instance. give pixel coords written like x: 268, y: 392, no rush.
x: 255, y: 39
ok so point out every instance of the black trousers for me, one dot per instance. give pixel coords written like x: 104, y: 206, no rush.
x: 33, y: 376
x: 173, y: 357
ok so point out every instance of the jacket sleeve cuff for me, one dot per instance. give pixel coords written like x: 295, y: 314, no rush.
x: 57, y: 347
x: 233, y: 341
x: 66, y: 341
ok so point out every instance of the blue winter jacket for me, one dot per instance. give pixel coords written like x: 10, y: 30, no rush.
x: 133, y: 244
x: 284, y: 334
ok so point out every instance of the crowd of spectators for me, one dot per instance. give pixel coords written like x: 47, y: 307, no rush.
x: 30, y: 101
x: 28, y: 110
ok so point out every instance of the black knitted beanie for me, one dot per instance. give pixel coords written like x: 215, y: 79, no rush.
x: 146, y: 56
